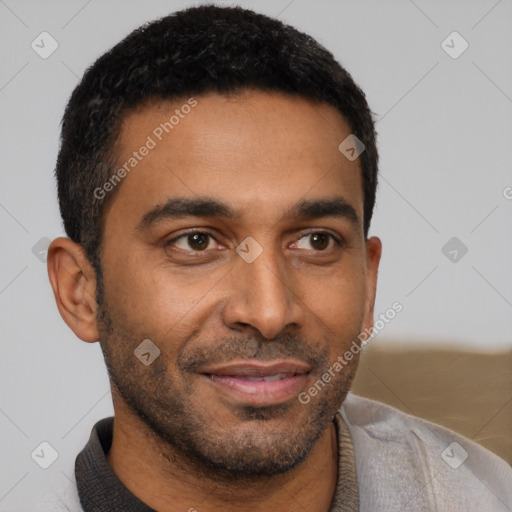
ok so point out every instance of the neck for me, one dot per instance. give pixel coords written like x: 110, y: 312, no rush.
x: 153, y: 472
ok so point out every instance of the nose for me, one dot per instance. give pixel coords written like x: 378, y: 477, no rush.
x: 262, y: 296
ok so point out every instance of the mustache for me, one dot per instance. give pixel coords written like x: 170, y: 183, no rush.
x: 247, y: 348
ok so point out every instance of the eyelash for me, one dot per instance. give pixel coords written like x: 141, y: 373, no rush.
x: 339, y: 241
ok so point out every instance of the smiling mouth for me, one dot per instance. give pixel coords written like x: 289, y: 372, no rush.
x: 259, y: 382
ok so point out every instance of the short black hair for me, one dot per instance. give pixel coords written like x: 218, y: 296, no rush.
x: 191, y: 52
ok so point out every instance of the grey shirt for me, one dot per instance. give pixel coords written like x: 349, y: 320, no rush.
x: 401, y: 463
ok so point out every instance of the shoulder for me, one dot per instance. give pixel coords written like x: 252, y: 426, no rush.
x: 404, y: 459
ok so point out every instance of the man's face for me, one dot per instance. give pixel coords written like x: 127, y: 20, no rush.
x: 241, y: 333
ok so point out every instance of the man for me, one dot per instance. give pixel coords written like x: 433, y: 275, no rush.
x: 217, y: 177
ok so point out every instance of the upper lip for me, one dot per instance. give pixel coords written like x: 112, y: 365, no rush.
x: 257, y: 368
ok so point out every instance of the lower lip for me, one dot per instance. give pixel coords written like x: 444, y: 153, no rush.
x: 260, y: 392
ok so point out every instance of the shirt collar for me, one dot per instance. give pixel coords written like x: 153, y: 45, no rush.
x: 98, y: 486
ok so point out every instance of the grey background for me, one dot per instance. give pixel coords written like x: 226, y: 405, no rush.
x: 445, y: 132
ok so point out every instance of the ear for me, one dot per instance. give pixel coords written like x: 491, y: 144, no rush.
x: 74, y: 285
x: 373, y: 254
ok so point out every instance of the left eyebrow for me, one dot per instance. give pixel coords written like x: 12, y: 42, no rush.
x: 319, y: 208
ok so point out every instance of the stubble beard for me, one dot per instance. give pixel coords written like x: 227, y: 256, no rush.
x: 264, y: 442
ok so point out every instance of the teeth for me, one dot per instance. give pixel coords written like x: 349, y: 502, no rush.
x: 278, y: 376
x: 268, y: 378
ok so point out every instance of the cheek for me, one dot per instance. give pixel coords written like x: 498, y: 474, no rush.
x: 337, y: 299
x: 337, y: 304
x: 157, y: 301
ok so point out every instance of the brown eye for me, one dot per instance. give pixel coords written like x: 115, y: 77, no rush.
x: 198, y: 241
x: 319, y: 241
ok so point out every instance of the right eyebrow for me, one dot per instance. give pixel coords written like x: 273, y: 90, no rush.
x: 184, y: 207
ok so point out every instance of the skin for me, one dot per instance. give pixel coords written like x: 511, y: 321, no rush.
x: 181, y: 441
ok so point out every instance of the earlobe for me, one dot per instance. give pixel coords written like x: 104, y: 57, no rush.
x: 73, y: 282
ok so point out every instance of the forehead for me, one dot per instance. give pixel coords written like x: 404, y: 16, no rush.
x: 260, y: 152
